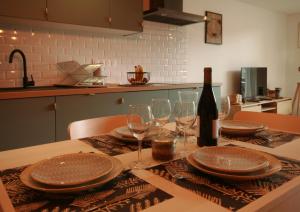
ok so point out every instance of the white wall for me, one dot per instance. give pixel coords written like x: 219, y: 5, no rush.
x: 252, y: 36
x: 293, y: 60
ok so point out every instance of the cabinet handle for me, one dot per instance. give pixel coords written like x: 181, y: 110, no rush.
x: 53, y: 106
x: 91, y: 94
x: 141, y: 23
x: 46, y: 13
x: 121, y: 101
x: 109, y: 20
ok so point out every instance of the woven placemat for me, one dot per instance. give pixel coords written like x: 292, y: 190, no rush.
x: 125, y: 193
x: 112, y: 146
x: 266, y: 138
x: 230, y: 195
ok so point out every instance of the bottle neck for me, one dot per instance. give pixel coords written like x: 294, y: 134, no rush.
x: 207, y: 76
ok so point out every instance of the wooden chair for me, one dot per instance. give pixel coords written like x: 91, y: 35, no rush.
x: 95, y: 126
x: 286, y: 123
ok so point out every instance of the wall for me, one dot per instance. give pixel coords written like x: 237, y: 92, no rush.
x: 293, y: 61
x: 252, y: 36
x: 160, y: 49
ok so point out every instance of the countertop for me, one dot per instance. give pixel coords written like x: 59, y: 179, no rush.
x: 17, y: 93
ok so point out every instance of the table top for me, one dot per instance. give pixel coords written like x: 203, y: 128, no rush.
x: 285, y: 197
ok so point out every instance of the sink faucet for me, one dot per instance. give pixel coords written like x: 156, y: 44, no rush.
x: 26, y: 82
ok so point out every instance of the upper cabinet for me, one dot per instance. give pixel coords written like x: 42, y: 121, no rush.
x: 127, y: 14
x: 111, y: 14
x: 28, y: 9
x: 87, y: 13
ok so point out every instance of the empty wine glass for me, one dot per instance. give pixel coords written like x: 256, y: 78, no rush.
x: 224, y: 113
x: 185, y: 115
x: 188, y: 96
x: 161, y: 111
x: 139, y: 121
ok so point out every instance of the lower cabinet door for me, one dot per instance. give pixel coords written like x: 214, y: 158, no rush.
x: 143, y: 97
x: 79, y: 107
x: 26, y: 122
x: 173, y: 94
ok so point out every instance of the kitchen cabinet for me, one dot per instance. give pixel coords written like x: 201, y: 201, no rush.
x: 144, y: 97
x: 37, y: 120
x: 29, y: 9
x: 26, y: 122
x: 78, y: 107
x: 127, y: 14
x: 173, y: 95
x: 87, y: 13
x: 110, y: 14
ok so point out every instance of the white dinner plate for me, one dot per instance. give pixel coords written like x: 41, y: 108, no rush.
x: 230, y: 159
x: 240, y: 127
x: 28, y: 181
x: 274, y: 166
x: 71, y: 169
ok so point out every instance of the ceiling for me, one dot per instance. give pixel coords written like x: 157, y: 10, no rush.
x: 285, y: 6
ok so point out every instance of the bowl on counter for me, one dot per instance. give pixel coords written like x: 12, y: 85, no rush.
x: 138, y: 78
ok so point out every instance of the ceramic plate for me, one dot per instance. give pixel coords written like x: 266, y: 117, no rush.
x: 28, y: 181
x: 230, y: 159
x: 124, y: 131
x: 71, y: 169
x: 274, y: 166
x: 240, y: 127
x: 117, y: 135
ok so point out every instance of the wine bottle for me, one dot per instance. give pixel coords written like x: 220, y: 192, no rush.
x: 207, y: 114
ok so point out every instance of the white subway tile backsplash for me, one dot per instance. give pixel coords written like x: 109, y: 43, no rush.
x: 7, y: 83
x: 160, y: 49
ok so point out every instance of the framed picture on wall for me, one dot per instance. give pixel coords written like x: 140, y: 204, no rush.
x: 213, y: 28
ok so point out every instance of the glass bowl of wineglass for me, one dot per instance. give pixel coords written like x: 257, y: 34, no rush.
x: 161, y: 111
x: 185, y: 116
x: 139, y: 121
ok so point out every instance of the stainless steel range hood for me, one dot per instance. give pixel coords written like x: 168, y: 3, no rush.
x: 169, y: 12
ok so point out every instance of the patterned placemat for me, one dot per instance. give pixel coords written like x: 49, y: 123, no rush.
x: 230, y: 195
x: 112, y: 146
x: 125, y: 193
x: 265, y: 138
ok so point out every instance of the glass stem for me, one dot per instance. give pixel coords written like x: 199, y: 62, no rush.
x: 185, y: 139
x: 139, y: 150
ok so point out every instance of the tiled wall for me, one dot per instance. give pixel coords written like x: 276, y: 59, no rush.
x: 160, y: 49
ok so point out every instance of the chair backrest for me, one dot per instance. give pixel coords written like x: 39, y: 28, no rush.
x: 95, y: 126
x: 286, y: 123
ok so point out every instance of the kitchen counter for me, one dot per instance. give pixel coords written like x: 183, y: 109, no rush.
x: 19, y: 93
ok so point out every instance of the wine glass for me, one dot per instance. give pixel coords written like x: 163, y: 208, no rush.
x: 139, y: 121
x: 188, y: 96
x: 185, y: 115
x: 161, y: 111
x: 224, y: 113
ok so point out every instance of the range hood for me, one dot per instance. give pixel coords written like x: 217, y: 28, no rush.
x: 169, y: 12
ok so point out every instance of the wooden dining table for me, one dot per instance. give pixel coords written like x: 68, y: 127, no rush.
x: 284, y: 198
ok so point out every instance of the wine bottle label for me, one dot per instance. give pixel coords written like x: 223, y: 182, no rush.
x: 197, y: 134
x: 215, y: 128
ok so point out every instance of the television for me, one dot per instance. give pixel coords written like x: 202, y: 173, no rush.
x: 253, y: 83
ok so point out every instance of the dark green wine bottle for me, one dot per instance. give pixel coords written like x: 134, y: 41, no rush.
x: 207, y: 114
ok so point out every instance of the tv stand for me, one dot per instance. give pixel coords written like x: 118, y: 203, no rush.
x: 280, y: 106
